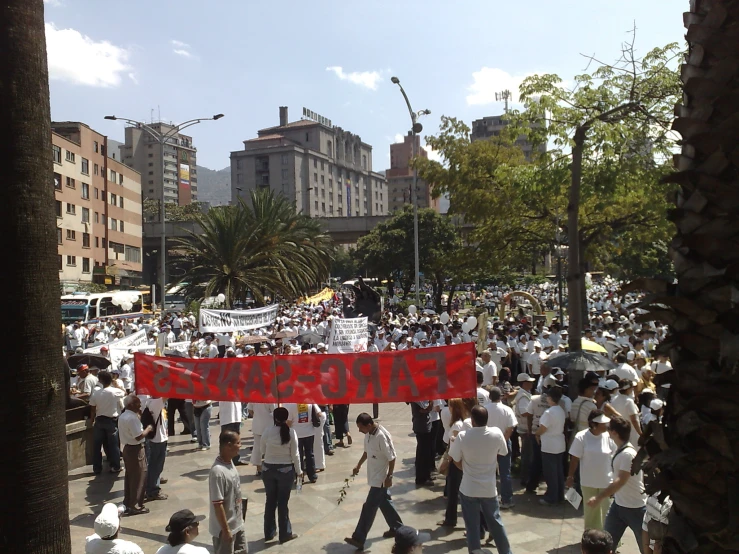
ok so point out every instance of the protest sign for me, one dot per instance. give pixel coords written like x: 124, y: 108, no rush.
x: 366, y: 377
x: 223, y: 321
x: 134, y: 339
x: 348, y: 335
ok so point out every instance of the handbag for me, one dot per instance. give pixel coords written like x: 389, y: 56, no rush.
x: 315, y: 418
x: 444, y: 464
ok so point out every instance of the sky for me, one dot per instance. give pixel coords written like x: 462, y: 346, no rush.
x: 177, y: 60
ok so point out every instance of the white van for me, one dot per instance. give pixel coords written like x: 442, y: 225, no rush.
x: 85, y: 306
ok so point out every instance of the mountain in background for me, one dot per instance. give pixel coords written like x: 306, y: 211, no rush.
x: 214, y: 186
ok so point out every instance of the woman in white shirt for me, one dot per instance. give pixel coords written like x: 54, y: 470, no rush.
x: 459, y: 421
x: 280, y: 466
x: 552, y: 439
x: 183, y: 529
x: 624, y: 404
x: 591, y: 452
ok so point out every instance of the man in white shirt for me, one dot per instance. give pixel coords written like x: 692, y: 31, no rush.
x: 520, y: 405
x: 230, y: 416
x: 105, y: 407
x: 379, y: 453
x: 502, y: 417
x: 132, y: 436
x: 126, y: 372
x: 475, y: 452
x: 156, y: 447
x: 489, y: 370
x: 536, y: 359
x: 210, y: 350
x: 262, y: 419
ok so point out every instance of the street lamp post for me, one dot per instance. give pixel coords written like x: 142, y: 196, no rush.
x: 415, y: 130
x: 162, y: 139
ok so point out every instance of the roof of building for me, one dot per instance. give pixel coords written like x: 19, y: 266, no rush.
x: 266, y: 137
x: 300, y: 123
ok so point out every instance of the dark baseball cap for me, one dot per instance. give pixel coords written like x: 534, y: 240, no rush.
x: 182, y: 520
x: 406, y: 536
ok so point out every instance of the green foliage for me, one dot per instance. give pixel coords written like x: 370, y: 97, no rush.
x: 344, y: 265
x: 174, y: 212
x: 261, y: 246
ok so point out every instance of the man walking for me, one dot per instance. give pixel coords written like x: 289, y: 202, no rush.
x: 502, y: 417
x: 105, y: 407
x: 230, y: 416
x: 226, y: 523
x: 475, y: 451
x: 156, y: 446
x: 132, y: 437
x: 379, y: 453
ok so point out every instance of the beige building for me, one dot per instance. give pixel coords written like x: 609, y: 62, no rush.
x: 400, y: 177
x: 327, y: 171
x: 98, y: 209
x: 178, y: 172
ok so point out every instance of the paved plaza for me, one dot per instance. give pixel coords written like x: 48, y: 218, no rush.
x: 316, y: 517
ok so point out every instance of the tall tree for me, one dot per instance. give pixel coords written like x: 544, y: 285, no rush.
x: 33, y: 464
x: 696, y: 460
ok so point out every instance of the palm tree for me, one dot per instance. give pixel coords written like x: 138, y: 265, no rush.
x: 262, y: 246
x: 33, y: 464
x: 697, y: 462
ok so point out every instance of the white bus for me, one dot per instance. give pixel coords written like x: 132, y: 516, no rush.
x: 85, y: 306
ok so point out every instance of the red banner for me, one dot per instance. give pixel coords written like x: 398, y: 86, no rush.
x: 402, y: 376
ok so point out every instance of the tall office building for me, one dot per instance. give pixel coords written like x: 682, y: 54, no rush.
x: 400, y: 177
x: 325, y: 170
x: 142, y: 152
x: 491, y: 126
x: 98, y: 209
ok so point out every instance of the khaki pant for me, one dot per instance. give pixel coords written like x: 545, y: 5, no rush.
x: 595, y: 518
x: 237, y: 545
x: 134, y: 482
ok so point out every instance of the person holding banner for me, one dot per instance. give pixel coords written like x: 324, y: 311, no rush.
x: 303, y: 418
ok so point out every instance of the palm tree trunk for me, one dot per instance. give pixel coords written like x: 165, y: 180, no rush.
x: 33, y: 462
x: 574, y: 275
x: 699, y: 469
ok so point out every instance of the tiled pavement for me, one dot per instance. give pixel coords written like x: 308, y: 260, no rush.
x: 315, y: 515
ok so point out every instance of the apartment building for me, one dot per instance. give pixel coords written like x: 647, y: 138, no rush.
x: 324, y: 169
x: 491, y: 126
x: 98, y: 210
x: 400, y: 177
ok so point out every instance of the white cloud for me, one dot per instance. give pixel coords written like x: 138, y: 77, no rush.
x: 399, y: 137
x: 367, y: 79
x: 180, y: 44
x: 433, y: 154
x: 181, y: 49
x: 183, y: 53
x: 488, y: 81
x: 80, y: 60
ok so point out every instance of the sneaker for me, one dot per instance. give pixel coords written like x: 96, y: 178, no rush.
x: 159, y: 496
x: 288, y: 538
x: 354, y: 542
x: 194, y: 439
x: 507, y: 505
x: 115, y: 470
x: 389, y: 534
x: 163, y: 480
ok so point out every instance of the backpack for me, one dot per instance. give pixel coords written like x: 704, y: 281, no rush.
x: 147, y: 418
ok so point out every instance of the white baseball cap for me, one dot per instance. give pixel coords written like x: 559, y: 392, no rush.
x: 602, y: 418
x: 656, y: 404
x: 607, y: 384
x: 525, y: 378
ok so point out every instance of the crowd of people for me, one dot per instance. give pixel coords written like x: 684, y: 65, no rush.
x: 529, y: 415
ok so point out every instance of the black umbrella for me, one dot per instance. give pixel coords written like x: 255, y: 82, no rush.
x: 310, y: 337
x: 92, y: 360
x: 580, y: 361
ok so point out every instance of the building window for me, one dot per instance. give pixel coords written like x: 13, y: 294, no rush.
x: 113, y: 199
x: 70, y: 183
x: 117, y: 247
x: 71, y: 235
x: 61, y: 263
x: 59, y: 208
x: 364, y: 161
x: 315, y: 177
x: 96, y: 169
x: 133, y: 254
x: 85, y: 166
x: 113, y: 224
x: 151, y: 155
x: 97, y: 242
x: 151, y: 173
x: 323, y: 180
x: 112, y: 175
x: 323, y: 207
x: 85, y: 191
x: 340, y: 211
x: 57, y: 181
x: 121, y: 228
x: 120, y: 201
x: 71, y: 260
x: 330, y: 184
x: 105, y: 243
x: 330, y: 145
x: 71, y: 209
x: 85, y: 265
x: 56, y: 153
x: 238, y: 163
x: 69, y: 156
x: 284, y: 159
x: 307, y: 137
x: 96, y: 146
x: 120, y: 178
x: 315, y: 162
x: 316, y: 203
x: 85, y: 215
x: 58, y: 235
x: 85, y: 240
x: 97, y: 217
x: 322, y: 166
x: 284, y: 174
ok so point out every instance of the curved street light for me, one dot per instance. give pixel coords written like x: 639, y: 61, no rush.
x: 161, y: 138
x: 416, y: 128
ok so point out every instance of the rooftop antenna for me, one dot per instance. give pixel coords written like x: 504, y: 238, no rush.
x: 503, y: 96
x: 152, y: 114
x: 160, y: 112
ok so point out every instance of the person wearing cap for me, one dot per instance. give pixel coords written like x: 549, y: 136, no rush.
x: 105, y: 540
x: 550, y: 435
x: 503, y: 418
x: 106, y: 404
x: 126, y: 372
x: 590, y: 454
x: 226, y: 519
x: 379, y: 453
x: 183, y: 529
x: 409, y: 541
x: 629, y: 500
x: 536, y: 408
x: 536, y: 359
x: 132, y: 435
x: 475, y: 451
x: 623, y: 402
x: 520, y: 405
x: 86, y: 381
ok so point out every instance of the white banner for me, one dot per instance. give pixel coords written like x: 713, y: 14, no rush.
x: 223, y: 321
x: 134, y: 339
x: 116, y: 354
x: 348, y: 336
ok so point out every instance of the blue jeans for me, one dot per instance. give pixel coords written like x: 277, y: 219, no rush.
x: 189, y: 412
x: 278, y: 482
x: 378, y: 497
x: 535, y: 468
x: 236, y: 428
x: 202, y: 424
x: 105, y: 435
x: 506, y: 482
x: 552, y: 465
x: 156, y: 453
x: 307, y: 458
x: 471, y: 508
x: 619, y: 519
